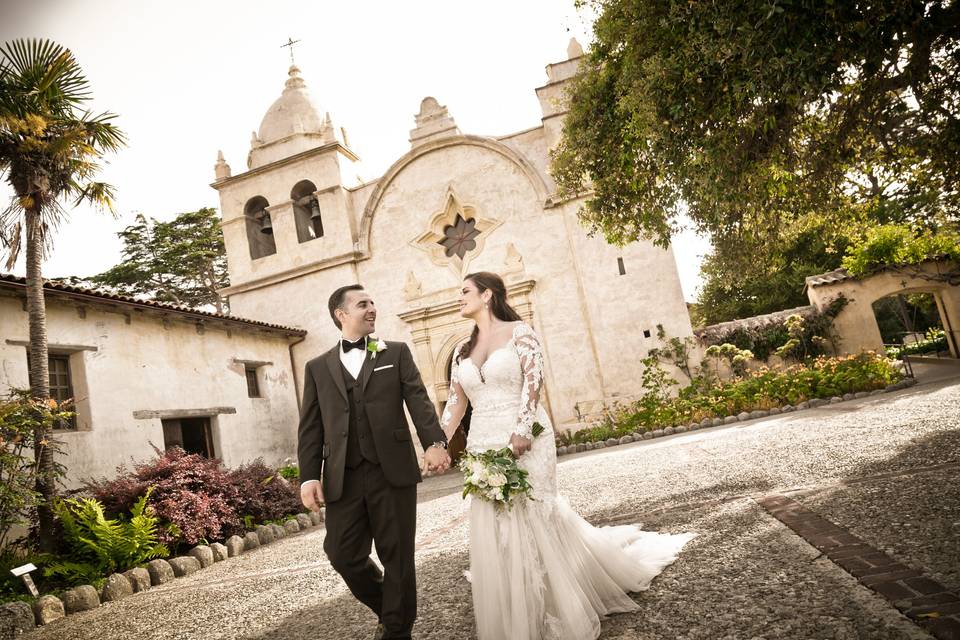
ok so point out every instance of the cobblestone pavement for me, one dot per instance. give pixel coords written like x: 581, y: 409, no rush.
x: 884, y: 467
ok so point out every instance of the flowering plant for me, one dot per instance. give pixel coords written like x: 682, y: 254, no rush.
x: 494, y: 476
x: 375, y: 346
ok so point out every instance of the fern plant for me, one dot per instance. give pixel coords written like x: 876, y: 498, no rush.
x: 101, y: 545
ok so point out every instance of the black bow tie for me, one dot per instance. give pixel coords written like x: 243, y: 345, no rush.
x: 359, y: 344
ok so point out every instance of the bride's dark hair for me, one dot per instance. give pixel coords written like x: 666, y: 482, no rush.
x: 486, y: 281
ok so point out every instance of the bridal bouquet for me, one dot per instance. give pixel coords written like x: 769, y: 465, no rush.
x: 494, y: 475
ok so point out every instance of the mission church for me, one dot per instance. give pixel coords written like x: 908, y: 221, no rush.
x: 294, y: 231
x: 453, y: 204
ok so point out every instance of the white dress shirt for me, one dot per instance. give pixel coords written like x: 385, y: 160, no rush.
x: 353, y: 360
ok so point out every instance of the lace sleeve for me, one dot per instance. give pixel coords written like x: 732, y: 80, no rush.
x: 527, y: 344
x: 456, y: 403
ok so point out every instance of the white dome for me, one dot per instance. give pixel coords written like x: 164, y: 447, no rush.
x: 293, y: 112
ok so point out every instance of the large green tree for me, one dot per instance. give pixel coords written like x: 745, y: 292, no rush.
x: 758, y: 117
x: 49, y: 153
x: 182, y: 261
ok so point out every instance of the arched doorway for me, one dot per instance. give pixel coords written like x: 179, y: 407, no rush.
x: 856, y: 327
x: 911, y: 324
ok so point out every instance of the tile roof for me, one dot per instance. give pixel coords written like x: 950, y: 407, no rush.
x: 837, y: 275
x: 54, y: 286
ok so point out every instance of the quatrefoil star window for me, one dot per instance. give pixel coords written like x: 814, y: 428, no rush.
x: 459, y: 237
x: 455, y: 234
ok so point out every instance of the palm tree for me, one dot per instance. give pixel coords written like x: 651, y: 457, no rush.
x: 49, y: 151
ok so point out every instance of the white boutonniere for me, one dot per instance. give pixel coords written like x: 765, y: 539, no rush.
x: 375, y: 346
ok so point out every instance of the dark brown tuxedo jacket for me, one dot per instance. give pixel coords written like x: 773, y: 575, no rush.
x: 388, y: 380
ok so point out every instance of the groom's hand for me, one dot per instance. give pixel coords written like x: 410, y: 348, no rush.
x: 311, y: 495
x: 436, y: 459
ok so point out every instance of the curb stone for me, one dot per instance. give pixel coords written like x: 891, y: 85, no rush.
x: 304, y: 521
x: 204, y: 554
x: 160, y: 572
x: 184, y: 565
x: 16, y: 618
x: 264, y: 534
x: 117, y: 587
x: 82, y: 598
x: 139, y: 579
x: 48, y: 608
x: 234, y: 545
x: 251, y: 541
x: 219, y: 551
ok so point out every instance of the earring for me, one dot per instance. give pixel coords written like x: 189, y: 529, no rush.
x: 486, y: 305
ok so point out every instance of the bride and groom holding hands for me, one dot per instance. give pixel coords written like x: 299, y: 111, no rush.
x: 537, y: 569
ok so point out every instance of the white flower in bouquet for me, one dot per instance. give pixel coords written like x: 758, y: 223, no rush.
x: 497, y: 480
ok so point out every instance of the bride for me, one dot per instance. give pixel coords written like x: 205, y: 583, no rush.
x: 538, y: 570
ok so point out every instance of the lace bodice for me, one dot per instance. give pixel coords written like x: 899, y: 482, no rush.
x: 505, y: 394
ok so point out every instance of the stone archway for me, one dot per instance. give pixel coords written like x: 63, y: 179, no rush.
x: 856, y: 326
x: 437, y: 329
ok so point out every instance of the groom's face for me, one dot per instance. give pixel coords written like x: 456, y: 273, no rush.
x: 357, y: 316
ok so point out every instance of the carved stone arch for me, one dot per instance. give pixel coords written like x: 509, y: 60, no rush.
x: 259, y: 228
x: 306, y: 211
x: 526, y: 168
x: 441, y: 364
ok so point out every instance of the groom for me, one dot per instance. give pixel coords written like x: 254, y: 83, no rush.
x: 353, y: 434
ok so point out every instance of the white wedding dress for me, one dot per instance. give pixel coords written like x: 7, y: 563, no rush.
x: 538, y: 570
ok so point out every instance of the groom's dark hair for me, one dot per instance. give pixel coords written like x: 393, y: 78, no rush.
x: 337, y: 298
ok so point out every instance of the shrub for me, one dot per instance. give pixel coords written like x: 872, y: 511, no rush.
x: 935, y: 340
x: 263, y: 494
x: 193, y: 493
x: 99, y: 545
x: 811, y: 333
x: 20, y: 418
x: 898, y: 244
x: 761, y: 389
x: 289, y: 471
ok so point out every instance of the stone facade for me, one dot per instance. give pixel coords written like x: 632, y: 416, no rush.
x: 595, y: 306
x: 141, y: 371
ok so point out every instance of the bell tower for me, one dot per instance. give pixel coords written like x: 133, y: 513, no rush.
x: 288, y: 214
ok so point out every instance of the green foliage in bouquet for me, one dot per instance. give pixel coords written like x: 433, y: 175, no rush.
x: 494, y: 476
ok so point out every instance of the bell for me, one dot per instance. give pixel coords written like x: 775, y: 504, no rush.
x: 314, y: 211
x: 265, y: 225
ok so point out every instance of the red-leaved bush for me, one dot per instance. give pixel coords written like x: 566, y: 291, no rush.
x: 194, y: 493
x: 263, y: 494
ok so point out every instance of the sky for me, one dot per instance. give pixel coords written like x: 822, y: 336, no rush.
x: 187, y: 79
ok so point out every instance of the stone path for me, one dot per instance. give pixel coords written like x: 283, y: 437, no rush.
x: 882, y: 468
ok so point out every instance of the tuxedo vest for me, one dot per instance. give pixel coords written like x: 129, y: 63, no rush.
x: 359, y: 437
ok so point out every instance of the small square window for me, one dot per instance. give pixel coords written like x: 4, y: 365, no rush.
x: 646, y: 333
x: 253, y: 385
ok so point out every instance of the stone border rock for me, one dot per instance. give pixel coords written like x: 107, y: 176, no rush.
x: 19, y: 617
x: 707, y: 423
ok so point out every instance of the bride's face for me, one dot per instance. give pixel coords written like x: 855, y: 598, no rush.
x: 471, y: 300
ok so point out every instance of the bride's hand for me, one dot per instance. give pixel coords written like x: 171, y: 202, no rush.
x: 520, y: 445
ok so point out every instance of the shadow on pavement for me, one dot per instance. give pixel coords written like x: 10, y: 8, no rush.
x: 444, y: 605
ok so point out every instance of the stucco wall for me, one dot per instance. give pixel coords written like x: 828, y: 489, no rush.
x: 144, y: 365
